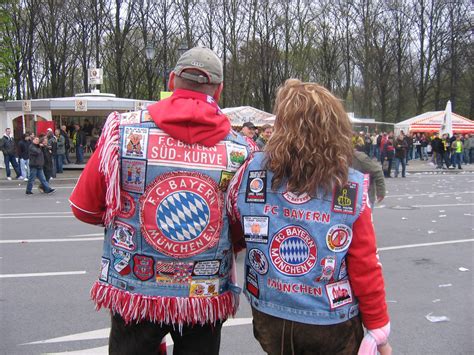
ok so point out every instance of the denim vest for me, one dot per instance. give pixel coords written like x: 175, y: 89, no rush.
x: 169, y: 243
x: 295, y: 266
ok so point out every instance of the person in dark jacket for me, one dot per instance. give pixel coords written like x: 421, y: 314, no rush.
x: 53, y: 146
x: 7, y: 145
x: 438, y: 150
x: 388, y: 154
x: 67, y: 143
x: 24, y: 155
x: 48, y: 161
x: 36, y: 159
x: 401, y: 147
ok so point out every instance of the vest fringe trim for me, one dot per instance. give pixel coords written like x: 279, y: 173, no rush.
x: 168, y: 310
x: 109, y: 165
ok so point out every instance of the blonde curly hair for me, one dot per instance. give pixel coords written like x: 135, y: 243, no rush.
x: 311, y: 145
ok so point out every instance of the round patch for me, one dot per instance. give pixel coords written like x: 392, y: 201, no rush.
x: 258, y: 261
x: 181, y: 213
x: 293, y: 251
x: 339, y: 237
x: 256, y: 185
x: 127, y: 205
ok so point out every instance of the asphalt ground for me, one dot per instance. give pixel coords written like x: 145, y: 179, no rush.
x: 49, y: 260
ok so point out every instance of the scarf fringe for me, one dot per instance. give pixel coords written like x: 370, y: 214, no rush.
x: 109, y: 165
x: 168, y: 310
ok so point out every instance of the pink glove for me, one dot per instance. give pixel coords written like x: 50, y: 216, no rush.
x: 373, y: 339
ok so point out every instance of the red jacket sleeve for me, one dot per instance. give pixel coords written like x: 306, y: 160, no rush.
x: 365, y: 273
x: 88, y: 197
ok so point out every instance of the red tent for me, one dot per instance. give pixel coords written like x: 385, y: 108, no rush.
x: 431, y: 122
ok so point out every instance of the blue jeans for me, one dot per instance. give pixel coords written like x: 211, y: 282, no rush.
x: 458, y: 159
x: 60, y: 158
x: 10, y: 159
x: 377, y: 152
x: 36, y: 172
x: 79, y: 154
x: 397, y: 166
x: 25, y: 167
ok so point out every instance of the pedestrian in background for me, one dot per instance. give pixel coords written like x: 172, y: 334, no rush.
x: 36, y: 161
x: 466, y: 149
x: 24, y: 155
x: 8, y: 148
x: 53, y: 146
x: 79, y: 140
x: 457, y: 147
x: 388, y: 154
x: 361, y: 162
x: 48, y: 161
x: 67, y: 143
x: 265, y: 136
x: 401, y: 147
x: 471, y: 148
x: 60, y: 151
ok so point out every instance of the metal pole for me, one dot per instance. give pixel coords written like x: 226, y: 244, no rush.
x: 23, y: 122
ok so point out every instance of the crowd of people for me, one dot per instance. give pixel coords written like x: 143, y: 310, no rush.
x: 43, y: 156
x: 444, y: 152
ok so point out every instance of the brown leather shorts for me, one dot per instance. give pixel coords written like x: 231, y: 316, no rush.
x: 278, y: 336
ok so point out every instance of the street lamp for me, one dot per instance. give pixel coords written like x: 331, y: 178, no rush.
x: 149, y: 54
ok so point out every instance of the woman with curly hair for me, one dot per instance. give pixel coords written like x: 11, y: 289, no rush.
x: 312, y: 274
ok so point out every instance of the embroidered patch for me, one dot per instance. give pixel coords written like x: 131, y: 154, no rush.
x: 256, y: 229
x: 146, y: 117
x: 339, y: 294
x: 130, y: 118
x: 289, y: 287
x: 133, y: 175
x: 122, y: 261
x: 344, y: 200
x: 342, y: 270
x: 164, y: 150
x: 204, y: 288
x: 293, y: 251
x: 225, y: 179
x: 123, y: 237
x: 258, y: 261
x: 251, y: 282
x: 236, y: 155
x: 206, y: 267
x: 296, y: 199
x: 135, y: 141
x: 181, y: 213
x: 329, y: 265
x: 127, y: 205
x: 173, y: 272
x: 143, y: 267
x: 339, y: 237
x: 104, y: 269
x: 256, y: 187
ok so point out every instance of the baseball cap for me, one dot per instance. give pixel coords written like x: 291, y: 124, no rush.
x: 249, y: 125
x: 204, y: 60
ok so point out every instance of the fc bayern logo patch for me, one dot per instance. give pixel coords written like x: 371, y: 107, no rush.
x: 293, y: 251
x: 339, y: 237
x: 181, y: 213
x: 258, y: 261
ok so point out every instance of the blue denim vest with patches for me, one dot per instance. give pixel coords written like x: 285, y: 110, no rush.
x: 295, y: 264
x: 170, y: 239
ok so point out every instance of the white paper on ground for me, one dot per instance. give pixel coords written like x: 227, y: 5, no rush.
x: 436, y: 319
x: 445, y: 285
x: 463, y: 269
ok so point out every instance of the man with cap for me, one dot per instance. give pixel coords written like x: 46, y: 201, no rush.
x: 248, y: 132
x: 156, y: 182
